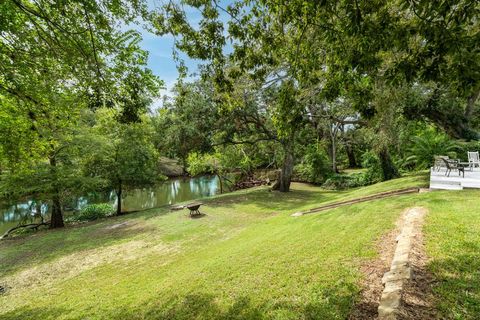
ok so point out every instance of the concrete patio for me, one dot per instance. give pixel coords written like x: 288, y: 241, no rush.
x: 438, y: 179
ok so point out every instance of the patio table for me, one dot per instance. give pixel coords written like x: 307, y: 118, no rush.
x: 466, y: 165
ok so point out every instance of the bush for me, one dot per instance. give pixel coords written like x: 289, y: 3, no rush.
x: 314, y: 167
x: 340, y: 182
x: 94, y: 211
x: 464, y: 147
x: 198, y: 163
x: 428, y: 144
x: 371, y: 162
x: 374, y: 172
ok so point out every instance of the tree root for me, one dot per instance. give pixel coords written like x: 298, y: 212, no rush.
x: 33, y: 226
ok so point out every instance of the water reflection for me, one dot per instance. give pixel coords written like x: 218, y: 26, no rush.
x: 23, y: 211
x: 173, y: 191
x: 169, y: 192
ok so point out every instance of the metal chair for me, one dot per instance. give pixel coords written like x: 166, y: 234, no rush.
x: 453, y: 165
x: 438, y: 164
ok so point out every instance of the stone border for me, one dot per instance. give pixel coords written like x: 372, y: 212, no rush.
x: 376, y: 196
x: 400, y: 271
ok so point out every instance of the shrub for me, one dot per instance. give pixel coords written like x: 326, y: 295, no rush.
x: 340, y: 182
x: 314, y: 167
x: 200, y: 163
x: 94, y: 211
x: 463, y: 147
x: 371, y: 162
x: 428, y: 144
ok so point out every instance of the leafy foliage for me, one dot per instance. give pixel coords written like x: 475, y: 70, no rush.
x: 186, y: 123
x: 43, y: 38
x: 314, y: 167
x: 428, y: 144
x: 342, y: 182
x: 372, y: 163
x: 201, y: 163
x: 94, y: 211
x: 124, y: 156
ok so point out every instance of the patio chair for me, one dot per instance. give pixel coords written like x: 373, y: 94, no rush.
x: 453, y: 165
x: 473, y: 159
x: 438, y: 164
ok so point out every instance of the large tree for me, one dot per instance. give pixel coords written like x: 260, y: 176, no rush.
x: 58, y: 60
x: 82, y: 38
x: 343, y: 49
x: 42, y: 147
x: 253, y: 114
x: 187, y: 122
x: 124, y: 156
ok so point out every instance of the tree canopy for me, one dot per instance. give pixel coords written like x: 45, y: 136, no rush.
x: 305, y: 89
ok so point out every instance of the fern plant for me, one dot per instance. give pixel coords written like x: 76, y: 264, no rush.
x: 426, y: 146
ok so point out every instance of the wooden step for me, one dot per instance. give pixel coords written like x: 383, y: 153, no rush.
x: 471, y: 184
x: 445, y: 186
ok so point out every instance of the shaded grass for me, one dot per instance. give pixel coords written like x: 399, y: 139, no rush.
x: 350, y: 171
x: 246, y: 259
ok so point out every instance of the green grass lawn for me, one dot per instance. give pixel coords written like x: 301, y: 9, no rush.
x: 246, y: 259
x: 452, y: 232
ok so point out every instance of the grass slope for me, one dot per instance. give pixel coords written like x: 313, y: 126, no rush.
x: 246, y: 259
x: 453, y: 244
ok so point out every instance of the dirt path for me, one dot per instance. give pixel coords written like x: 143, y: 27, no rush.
x: 415, y: 298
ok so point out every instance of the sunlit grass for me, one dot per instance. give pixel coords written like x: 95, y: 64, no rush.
x: 246, y: 259
x: 453, y: 245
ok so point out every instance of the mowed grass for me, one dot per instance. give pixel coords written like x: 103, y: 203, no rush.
x: 246, y: 259
x: 452, y: 232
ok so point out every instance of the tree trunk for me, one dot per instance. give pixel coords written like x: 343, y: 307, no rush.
x: 334, y: 155
x: 183, y: 160
x: 389, y: 171
x: 471, y: 103
x: 56, y: 220
x: 352, y: 161
x: 119, y: 199
x: 221, y: 183
x: 285, y: 178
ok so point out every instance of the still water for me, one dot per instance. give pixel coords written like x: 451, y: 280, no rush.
x: 169, y: 192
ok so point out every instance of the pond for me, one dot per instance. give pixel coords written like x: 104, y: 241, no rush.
x: 169, y: 192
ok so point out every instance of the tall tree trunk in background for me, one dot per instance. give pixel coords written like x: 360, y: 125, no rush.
x: 56, y: 219
x: 119, y: 198
x: 183, y: 160
x: 389, y: 170
x: 471, y: 103
x: 352, y: 161
x: 334, y: 128
x: 283, y: 183
x: 221, y: 182
x: 334, y: 156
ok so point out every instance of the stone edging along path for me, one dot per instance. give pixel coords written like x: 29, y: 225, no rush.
x: 400, y: 270
x: 397, y: 282
x: 358, y: 200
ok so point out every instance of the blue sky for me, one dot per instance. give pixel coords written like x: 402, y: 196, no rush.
x: 160, y: 49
